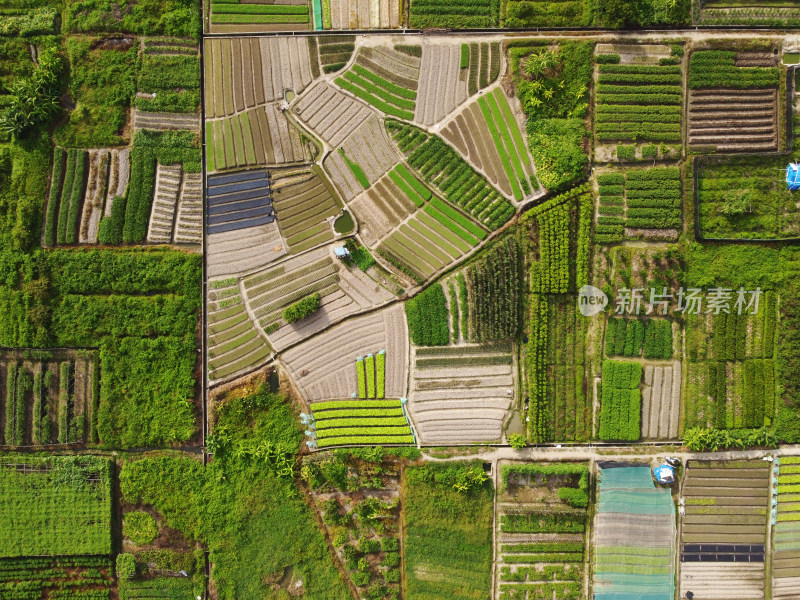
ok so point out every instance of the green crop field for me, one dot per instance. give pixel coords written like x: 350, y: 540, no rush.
x: 291, y: 293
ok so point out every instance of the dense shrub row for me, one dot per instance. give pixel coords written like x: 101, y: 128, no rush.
x: 468, y: 14
x: 439, y: 164
x: 621, y: 401
x: 638, y: 102
x: 428, y: 317
x: 302, y: 308
x: 717, y: 69
x: 552, y: 86
x: 543, y: 522
x: 496, y: 293
x: 651, y: 338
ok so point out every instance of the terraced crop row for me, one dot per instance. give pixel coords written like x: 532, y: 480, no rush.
x: 234, y: 343
x: 432, y: 239
x: 360, y: 422
x: 370, y: 374
x: 489, y: 136
x: 245, y: 72
x: 458, y: 183
x: 304, y: 203
x: 256, y: 137
x: 385, y: 79
x: 638, y: 102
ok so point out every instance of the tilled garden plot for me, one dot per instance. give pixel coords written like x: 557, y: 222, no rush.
x: 380, y: 208
x: 322, y: 368
x: 541, y: 533
x: 461, y: 394
x: 305, y: 204
x: 51, y: 397
x: 489, y: 135
x: 331, y: 114
x: 661, y: 401
x: 259, y: 136
x: 635, y: 536
x: 730, y: 368
x: 786, y: 529
x: 364, y: 14
x: 245, y: 72
x: 442, y: 83
x: 235, y: 344
x: 344, y: 291
x: 385, y: 78
x: 733, y: 101
x: 724, y: 528
x: 176, y: 216
x: 369, y: 148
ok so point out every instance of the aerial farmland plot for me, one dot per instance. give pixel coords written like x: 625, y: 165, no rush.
x: 382, y: 300
x: 542, y: 530
x: 635, y: 535
x: 724, y: 527
x: 785, y: 536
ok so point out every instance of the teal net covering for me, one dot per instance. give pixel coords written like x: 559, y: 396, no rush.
x: 636, y: 537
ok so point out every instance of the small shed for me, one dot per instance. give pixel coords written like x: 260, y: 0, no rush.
x: 341, y: 252
x: 793, y: 176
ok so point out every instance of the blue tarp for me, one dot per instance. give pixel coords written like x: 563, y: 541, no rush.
x: 793, y: 176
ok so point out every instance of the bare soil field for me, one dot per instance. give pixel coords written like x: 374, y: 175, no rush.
x: 734, y: 120
x: 442, y: 83
x: 323, y: 368
x: 243, y: 251
x: 461, y: 395
x: 365, y: 14
x: 661, y: 401
x: 331, y: 114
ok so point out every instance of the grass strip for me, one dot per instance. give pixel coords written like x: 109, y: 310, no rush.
x: 356, y: 169
x: 236, y: 19
x: 459, y: 218
x: 385, y: 84
x: 370, y: 99
x: 378, y: 91
x: 415, y: 183
x: 497, y: 139
x: 418, y: 200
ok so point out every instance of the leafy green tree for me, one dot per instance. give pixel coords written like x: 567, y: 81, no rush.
x: 517, y: 441
x: 35, y: 100
x: 617, y: 14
